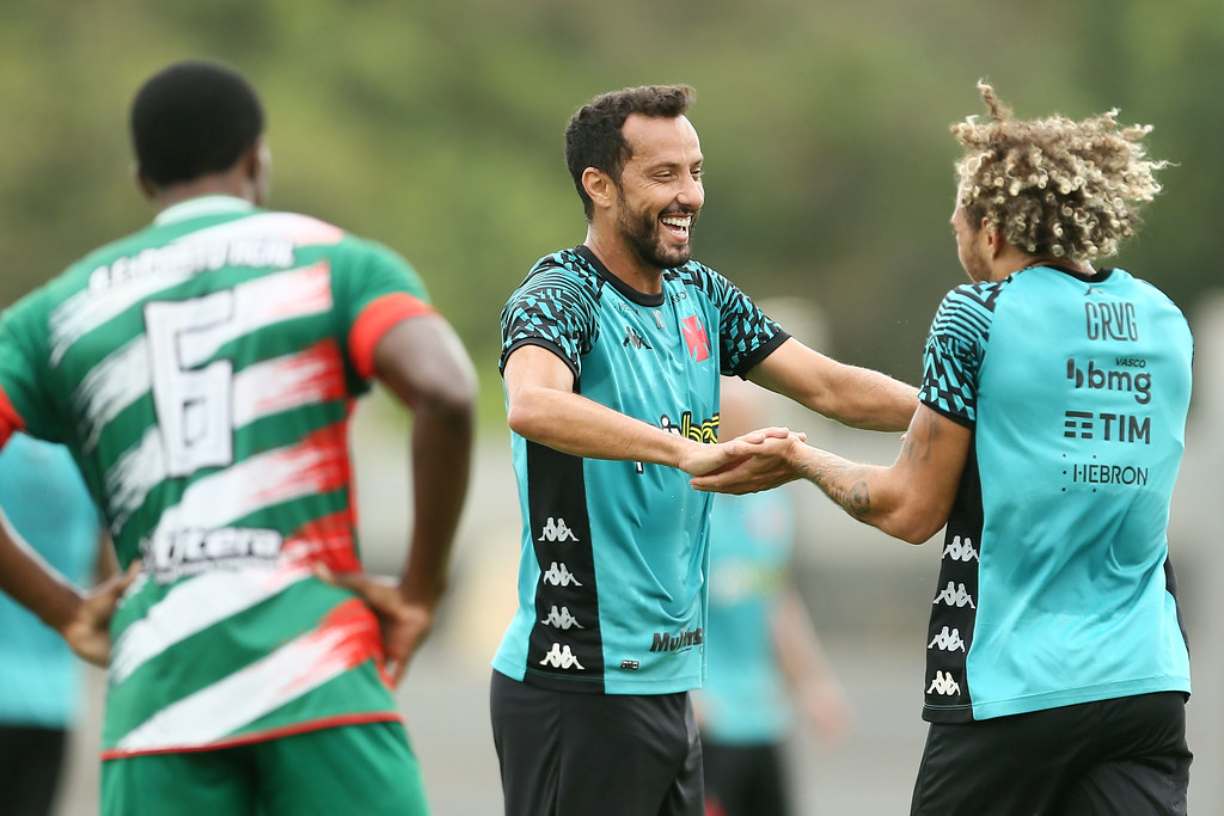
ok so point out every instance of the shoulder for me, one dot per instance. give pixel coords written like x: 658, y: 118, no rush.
x: 565, y: 275
x: 696, y: 275
x: 968, y: 310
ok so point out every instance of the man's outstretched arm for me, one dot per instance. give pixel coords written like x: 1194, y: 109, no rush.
x: 854, y: 396
x: 544, y: 408
x: 909, y: 500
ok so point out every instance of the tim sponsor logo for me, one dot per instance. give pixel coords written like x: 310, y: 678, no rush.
x: 1107, y: 426
x: 685, y: 639
x: 1138, y: 385
x: 1111, y: 322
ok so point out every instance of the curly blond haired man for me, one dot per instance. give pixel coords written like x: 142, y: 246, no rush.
x: 1048, y: 440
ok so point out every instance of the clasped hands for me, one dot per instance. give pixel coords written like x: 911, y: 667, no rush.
x: 759, y: 460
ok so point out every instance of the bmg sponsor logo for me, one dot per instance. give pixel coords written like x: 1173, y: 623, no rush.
x: 1136, y: 383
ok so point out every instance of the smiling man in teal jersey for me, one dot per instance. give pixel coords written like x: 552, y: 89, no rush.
x: 203, y: 371
x: 1051, y: 430
x: 612, y: 352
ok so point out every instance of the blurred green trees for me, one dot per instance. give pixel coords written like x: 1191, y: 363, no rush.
x: 437, y: 129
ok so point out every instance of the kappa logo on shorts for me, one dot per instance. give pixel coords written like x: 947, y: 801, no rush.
x: 560, y: 576
x: 560, y: 657
x: 954, y: 595
x: 944, y: 684
x: 948, y: 641
x: 561, y: 619
x: 961, y: 550
x: 556, y: 530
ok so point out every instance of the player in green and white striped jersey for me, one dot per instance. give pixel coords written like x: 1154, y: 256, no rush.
x: 202, y: 371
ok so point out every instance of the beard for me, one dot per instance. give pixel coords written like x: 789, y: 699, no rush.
x: 644, y: 233
x: 976, y: 268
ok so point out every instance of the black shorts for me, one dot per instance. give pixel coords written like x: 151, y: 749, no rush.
x: 1122, y: 756
x: 576, y: 754
x: 744, y: 780
x: 30, y: 762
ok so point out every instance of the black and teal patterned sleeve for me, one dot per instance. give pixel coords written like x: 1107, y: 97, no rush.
x: 554, y: 310
x: 746, y: 335
x: 954, y: 350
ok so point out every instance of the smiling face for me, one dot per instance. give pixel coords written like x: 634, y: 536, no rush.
x: 660, y: 191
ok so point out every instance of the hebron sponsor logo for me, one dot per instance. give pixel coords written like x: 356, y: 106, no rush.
x: 555, y: 530
x: 944, y: 684
x: 561, y: 619
x: 954, y: 595
x: 684, y: 639
x: 961, y: 550
x: 558, y: 575
x: 947, y: 640
x: 560, y: 657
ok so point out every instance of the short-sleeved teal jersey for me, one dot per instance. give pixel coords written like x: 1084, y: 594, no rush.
x: 1055, y: 585
x: 745, y: 700
x: 612, y: 589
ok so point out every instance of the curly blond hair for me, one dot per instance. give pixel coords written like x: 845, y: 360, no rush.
x: 1055, y: 187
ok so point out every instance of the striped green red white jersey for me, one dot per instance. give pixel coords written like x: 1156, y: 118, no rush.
x: 202, y: 371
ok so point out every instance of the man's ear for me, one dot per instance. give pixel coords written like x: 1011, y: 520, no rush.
x: 994, y: 238
x: 600, y: 187
x: 147, y: 188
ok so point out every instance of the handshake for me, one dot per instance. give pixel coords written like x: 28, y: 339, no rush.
x: 758, y: 460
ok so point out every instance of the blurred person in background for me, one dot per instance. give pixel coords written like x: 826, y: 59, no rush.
x: 765, y: 660
x: 203, y: 371
x: 611, y: 354
x: 1049, y: 438
x: 46, y: 504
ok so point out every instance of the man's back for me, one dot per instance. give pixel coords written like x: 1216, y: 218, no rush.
x: 202, y: 371
x: 1056, y: 587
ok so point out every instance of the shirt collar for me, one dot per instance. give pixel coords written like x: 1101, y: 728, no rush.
x: 202, y: 205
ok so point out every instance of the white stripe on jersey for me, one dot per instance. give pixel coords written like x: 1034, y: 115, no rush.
x: 214, y: 712
x: 179, y: 261
x: 192, y: 606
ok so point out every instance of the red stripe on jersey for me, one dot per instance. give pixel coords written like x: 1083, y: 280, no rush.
x: 327, y: 540
x: 263, y: 736
x: 10, y: 420
x: 376, y: 319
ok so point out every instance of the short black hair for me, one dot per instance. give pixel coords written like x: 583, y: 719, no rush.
x: 593, y: 137
x: 191, y: 119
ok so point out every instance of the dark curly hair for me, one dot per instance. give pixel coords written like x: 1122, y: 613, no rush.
x: 593, y: 137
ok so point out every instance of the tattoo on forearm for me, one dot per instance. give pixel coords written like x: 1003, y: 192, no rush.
x: 859, y: 503
x: 836, y: 479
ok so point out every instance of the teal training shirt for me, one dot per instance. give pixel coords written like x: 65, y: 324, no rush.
x: 45, y: 500
x: 744, y: 701
x: 1055, y: 585
x: 612, y: 589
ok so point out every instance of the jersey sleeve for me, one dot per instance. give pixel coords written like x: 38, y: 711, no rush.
x: 746, y: 335
x: 375, y: 290
x: 551, y: 310
x: 952, y: 359
x: 25, y: 403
